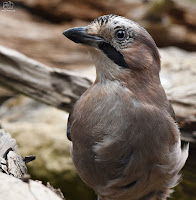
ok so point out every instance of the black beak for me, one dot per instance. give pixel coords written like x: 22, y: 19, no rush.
x: 80, y: 35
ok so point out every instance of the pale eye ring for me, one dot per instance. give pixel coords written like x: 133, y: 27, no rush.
x: 120, y: 34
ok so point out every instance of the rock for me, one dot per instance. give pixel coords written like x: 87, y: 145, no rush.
x: 41, y: 130
x: 178, y: 77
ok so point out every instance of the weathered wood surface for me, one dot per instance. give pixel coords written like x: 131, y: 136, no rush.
x: 56, y: 87
x: 13, y: 188
x: 61, y: 88
x: 184, y: 104
x: 13, y: 168
x: 178, y: 76
x: 11, y: 162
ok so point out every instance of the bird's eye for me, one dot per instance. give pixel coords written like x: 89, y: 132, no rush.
x: 120, y: 34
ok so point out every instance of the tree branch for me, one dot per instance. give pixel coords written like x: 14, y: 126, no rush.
x: 56, y: 87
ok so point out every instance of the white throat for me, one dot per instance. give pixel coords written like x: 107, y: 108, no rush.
x: 105, y: 67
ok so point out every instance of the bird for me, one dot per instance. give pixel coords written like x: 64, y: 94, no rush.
x: 125, y: 142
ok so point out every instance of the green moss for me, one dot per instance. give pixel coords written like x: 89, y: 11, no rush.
x: 186, y: 190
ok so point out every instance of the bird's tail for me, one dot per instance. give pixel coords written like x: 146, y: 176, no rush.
x: 182, y: 160
x: 175, y: 172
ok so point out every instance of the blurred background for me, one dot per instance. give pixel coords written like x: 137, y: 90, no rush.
x: 34, y: 27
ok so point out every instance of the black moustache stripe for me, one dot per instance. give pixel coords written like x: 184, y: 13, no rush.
x: 113, y: 54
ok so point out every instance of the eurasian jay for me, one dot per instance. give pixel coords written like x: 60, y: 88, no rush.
x: 125, y: 141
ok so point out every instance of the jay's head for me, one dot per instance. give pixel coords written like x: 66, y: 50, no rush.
x: 119, y: 47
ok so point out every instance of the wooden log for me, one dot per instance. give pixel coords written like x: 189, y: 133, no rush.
x: 13, y: 188
x: 11, y: 162
x: 56, y: 87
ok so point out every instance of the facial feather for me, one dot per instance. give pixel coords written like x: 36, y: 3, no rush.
x: 137, y: 40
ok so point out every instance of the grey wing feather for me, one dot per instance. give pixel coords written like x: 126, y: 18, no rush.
x: 68, y: 129
x: 171, y: 111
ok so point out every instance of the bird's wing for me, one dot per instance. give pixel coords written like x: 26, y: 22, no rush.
x: 68, y: 128
x: 171, y: 111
